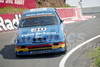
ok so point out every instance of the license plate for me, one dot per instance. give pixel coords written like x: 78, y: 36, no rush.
x: 40, y: 52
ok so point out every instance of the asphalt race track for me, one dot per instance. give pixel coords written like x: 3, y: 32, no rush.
x: 77, y: 33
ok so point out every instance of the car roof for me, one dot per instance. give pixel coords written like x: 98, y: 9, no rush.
x: 39, y: 10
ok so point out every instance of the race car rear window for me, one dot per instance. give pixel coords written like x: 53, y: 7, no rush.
x: 41, y: 20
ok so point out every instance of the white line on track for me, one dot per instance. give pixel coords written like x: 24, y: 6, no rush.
x: 69, y: 22
x: 65, y: 58
x: 93, y: 17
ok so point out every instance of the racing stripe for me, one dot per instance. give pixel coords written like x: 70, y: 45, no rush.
x: 37, y: 16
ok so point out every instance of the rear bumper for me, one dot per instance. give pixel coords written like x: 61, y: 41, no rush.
x: 41, y: 51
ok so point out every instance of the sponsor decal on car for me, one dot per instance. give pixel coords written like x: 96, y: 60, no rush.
x: 38, y: 29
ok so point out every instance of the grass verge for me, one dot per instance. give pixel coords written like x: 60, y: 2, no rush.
x: 9, y: 10
x: 94, y: 55
x: 65, y: 6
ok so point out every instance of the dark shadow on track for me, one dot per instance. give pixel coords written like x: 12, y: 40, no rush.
x: 8, y: 52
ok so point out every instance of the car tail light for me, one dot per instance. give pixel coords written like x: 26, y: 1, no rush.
x: 62, y: 43
x: 18, y: 47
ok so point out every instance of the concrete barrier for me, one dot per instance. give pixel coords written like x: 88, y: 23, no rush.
x: 78, y: 13
x: 70, y: 13
x: 66, y: 12
x: 7, y: 21
x: 91, y: 10
x: 18, y: 3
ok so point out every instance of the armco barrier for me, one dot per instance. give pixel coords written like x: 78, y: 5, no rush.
x: 91, y: 9
x: 7, y: 21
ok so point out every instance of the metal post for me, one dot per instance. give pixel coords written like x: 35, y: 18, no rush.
x: 80, y: 3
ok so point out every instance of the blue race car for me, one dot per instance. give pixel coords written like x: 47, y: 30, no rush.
x: 40, y: 31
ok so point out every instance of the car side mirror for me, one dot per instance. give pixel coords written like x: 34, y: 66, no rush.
x: 15, y: 25
x: 61, y: 20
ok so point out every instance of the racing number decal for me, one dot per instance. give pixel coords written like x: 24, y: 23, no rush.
x: 38, y: 29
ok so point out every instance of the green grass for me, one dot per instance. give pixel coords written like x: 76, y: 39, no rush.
x: 8, y: 10
x: 65, y: 6
x: 94, y: 55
